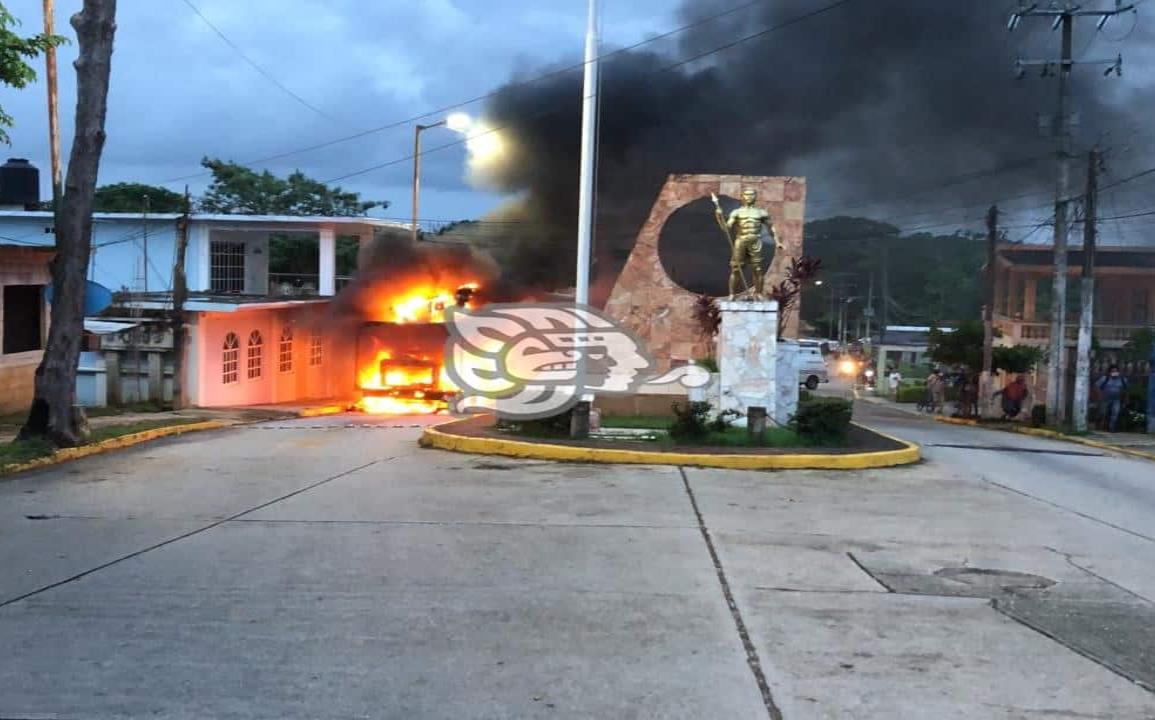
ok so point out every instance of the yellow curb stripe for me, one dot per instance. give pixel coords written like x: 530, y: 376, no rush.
x: 1053, y: 435
x: 123, y: 441
x: 435, y: 438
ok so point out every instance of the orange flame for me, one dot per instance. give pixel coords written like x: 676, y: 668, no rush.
x: 421, y: 302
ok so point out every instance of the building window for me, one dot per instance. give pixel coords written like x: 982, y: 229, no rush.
x: 22, y: 318
x: 227, y: 266
x: 230, y: 358
x: 316, y: 350
x: 285, y: 350
x: 1139, y: 309
x: 256, y: 347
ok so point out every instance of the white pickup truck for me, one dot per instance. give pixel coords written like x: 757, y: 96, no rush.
x: 811, y: 364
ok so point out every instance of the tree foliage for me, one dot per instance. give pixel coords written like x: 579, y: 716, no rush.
x: 129, y: 197
x: 15, y: 53
x: 917, y: 279
x: 238, y: 190
x: 964, y: 346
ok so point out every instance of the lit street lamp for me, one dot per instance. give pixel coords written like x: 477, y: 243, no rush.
x: 457, y: 122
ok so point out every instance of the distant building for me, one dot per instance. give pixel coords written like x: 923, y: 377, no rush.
x: 255, y: 336
x: 1124, y: 294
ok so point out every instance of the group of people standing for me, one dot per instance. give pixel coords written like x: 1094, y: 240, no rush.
x: 1111, y: 387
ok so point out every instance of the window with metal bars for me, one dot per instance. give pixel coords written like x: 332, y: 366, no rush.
x: 285, y: 350
x: 230, y: 358
x: 254, y: 357
x: 227, y: 266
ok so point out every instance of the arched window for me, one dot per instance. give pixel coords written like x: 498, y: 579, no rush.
x: 285, y: 350
x: 256, y: 347
x: 230, y: 357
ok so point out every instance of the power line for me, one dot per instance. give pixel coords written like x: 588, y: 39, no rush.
x: 523, y: 83
x: 252, y: 63
x: 554, y: 111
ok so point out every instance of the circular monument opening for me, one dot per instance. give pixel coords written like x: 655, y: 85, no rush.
x: 694, y: 251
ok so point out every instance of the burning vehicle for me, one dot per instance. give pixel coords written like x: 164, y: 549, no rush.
x: 400, y: 360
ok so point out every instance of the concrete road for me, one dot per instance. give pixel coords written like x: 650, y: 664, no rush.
x: 328, y: 568
x: 1114, y: 489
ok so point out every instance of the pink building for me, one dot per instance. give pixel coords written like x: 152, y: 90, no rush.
x: 257, y: 334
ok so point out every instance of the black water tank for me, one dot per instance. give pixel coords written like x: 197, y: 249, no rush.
x: 19, y: 184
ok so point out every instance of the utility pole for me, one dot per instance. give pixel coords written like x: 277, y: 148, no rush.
x: 986, y: 382
x: 144, y: 232
x: 1062, y: 16
x: 53, y: 114
x: 1087, y: 299
x: 588, y: 157
x: 179, y: 295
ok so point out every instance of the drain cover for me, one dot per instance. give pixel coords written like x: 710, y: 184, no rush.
x: 984, y: 579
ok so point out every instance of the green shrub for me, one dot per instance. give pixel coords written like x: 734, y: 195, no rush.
x: 824, y: 418
x: 804, y: 395
x: 690, y: 421
x: 913, y: 372
x: 911, y: 393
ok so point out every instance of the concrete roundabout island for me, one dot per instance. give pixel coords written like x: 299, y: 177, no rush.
x: 477, y: 435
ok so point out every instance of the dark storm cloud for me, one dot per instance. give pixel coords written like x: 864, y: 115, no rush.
x: 874, y: 102
x: 178, y: 92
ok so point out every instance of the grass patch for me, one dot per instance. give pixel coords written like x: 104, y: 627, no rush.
x: 16, y: 453
x: 738, y: 437
x: 107, y: 432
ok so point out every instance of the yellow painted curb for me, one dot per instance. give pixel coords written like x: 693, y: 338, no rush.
x: 322, y: 410
x: 432, y: 437
x: 1053, y: 435
x: 75, y: 453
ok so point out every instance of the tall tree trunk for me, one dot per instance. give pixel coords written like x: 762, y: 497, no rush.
x: 51, y: 415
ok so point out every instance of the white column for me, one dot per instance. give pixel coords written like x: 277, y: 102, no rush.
x: 327, y: 261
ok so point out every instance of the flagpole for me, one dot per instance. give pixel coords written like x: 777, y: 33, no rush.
x: 589, y: 131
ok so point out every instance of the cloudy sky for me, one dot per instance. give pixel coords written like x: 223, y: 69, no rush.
x: 876, y: 99
x: 180, y: 92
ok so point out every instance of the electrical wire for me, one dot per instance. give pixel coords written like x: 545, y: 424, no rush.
x: 479, y: 98
x: 252, y: 63
x: 551, y: 74
x: 546, y: 113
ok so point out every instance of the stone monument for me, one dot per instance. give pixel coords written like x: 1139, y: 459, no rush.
x: 657, y: 310
x: 748, y: 356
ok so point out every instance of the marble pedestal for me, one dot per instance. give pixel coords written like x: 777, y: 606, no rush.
x: 748, y: 355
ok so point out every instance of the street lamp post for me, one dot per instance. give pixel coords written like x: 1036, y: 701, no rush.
x: 457, y: 122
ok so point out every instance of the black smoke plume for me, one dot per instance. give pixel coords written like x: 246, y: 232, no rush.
x: 875, y: 102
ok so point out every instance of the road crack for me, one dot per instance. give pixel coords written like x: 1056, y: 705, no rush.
x: 751, y: 652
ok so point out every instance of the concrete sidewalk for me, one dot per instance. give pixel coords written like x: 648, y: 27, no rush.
x: 1130, y: 443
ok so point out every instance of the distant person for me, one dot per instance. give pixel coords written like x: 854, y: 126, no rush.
x: 895, y: 378
x: 936, y: 388
x: 1014, y: 395
x: 968, y: 394
x: 1112, y: 387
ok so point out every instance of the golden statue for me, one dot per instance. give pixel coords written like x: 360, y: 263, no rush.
x: 744, y: 231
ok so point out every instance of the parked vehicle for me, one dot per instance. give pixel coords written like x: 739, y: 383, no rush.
x: 812, y: 368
